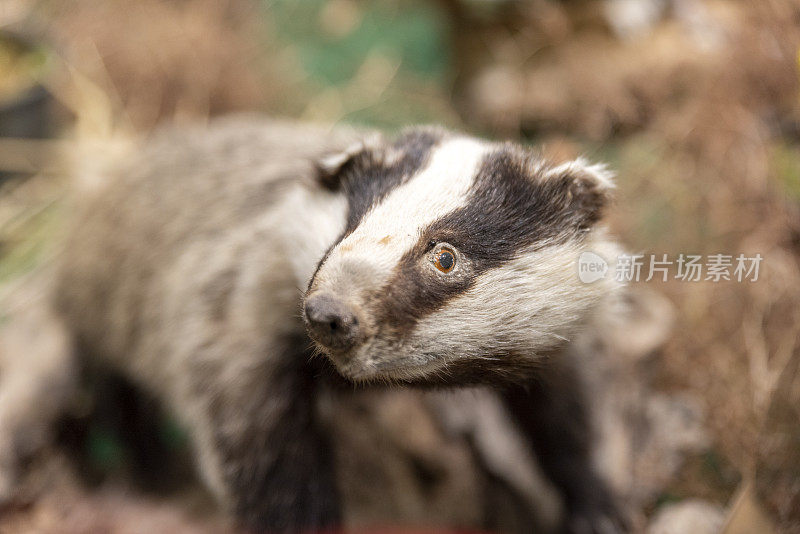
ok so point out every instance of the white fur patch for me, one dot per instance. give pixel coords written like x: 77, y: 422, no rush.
x: 599, y: 172
x: 394, y: 226
x: 529, y: 305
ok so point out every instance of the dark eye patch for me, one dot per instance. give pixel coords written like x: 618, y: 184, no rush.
x: 507, y: 210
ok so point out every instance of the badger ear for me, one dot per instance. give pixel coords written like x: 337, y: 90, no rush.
x: 331, y: 164
x: 585, y: 189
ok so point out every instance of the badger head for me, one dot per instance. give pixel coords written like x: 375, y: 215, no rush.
x: 458, y: 262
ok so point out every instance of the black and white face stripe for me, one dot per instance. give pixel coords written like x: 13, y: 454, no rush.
x: 367, y: 173
x: 388, y: 217
x: 512, y: 220
x: 371, y: 174
x: 512, y: 205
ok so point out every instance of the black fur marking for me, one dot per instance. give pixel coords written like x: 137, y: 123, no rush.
x: 507, y: 210
x: 276, y: 459
x: 501, y: 369
x: 367, y: 178
x: 554, y: 415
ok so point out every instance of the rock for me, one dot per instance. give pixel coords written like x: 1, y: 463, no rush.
x: 633, y: 18
x: 692, y: 516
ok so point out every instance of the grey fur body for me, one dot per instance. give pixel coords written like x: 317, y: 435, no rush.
x: 207, y: 216
x: 181, y: 272
x: 187, y: 269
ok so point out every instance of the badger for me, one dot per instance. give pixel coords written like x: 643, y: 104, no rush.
x: 242, y: 271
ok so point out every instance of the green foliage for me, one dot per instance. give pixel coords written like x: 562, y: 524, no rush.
x: 24, y: 240
x: 380, y: 64
x: 413, y: 32
x: 786, y: 165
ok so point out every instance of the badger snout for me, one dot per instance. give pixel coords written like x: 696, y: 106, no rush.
x: 332, y: 322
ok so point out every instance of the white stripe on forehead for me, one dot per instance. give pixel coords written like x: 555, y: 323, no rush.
x: 392, y: 227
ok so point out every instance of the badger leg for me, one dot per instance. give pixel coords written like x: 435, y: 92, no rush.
x: 552, y: 412
x: 259, y: 441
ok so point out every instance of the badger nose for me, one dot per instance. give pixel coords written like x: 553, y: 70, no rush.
x: 331, y: 322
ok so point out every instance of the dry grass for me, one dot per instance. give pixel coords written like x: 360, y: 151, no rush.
x: 159, y: 60
x: 705, y: 142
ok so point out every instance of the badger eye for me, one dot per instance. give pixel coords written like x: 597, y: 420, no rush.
x: 445, y: 260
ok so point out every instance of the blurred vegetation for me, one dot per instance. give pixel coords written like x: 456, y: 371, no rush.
x: 21, y: 66
x: 383, y: 64
x: 333, y: 50
x: 698, y: 110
